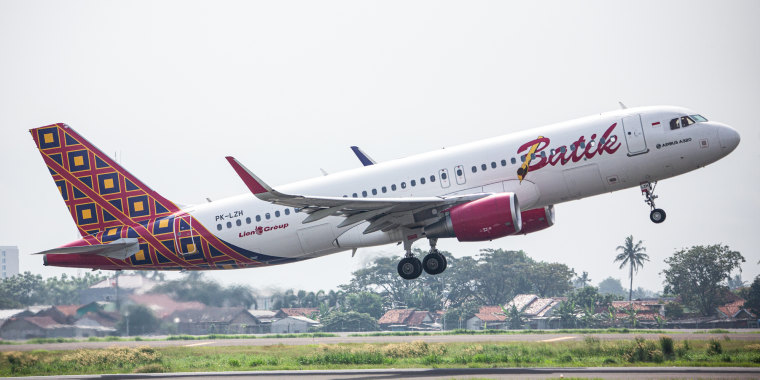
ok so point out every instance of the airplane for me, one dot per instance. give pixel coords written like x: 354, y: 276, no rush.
x: 469, y: 192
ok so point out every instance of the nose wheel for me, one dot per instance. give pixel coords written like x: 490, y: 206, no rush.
x: 657, y: 215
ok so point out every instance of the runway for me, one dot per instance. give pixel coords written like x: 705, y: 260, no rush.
x: 459, y: 373
x: 744, y: 334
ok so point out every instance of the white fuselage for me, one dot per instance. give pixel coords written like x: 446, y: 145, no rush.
x: 640, y: 151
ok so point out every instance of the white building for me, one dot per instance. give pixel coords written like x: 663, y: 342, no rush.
x: 8, y: 261
x: 293, y: 325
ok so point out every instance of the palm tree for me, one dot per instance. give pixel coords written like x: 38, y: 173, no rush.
x: 632, y: 255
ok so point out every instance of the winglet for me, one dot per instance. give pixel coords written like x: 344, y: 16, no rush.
x: 255, y: 184
x: 363, y: 157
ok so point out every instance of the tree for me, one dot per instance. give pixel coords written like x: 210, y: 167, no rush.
x: 551, y: 279
x: 582, y: 280
x: 673, y: 310
x: 632, y: 255
x: 736, y: 282
x: 194, y: 287
x: 514, y: 318
x: 698, y: 274
x: 348, y: 321
x: 611, y: 286
x: 365, y: 302
x: 140, y: 320
x: 753, y: 297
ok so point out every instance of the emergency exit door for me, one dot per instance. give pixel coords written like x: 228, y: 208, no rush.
x: 634, y: 135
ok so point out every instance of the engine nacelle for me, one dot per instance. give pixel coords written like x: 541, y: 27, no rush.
x: 488, y: 218
x: 537, y: 219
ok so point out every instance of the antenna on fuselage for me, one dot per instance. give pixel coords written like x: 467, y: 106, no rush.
x: 622, y: 105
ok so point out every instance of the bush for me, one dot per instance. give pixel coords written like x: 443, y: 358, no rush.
x: 714, y: 347
x: 643, y: 351
x: 150, y: 368
x: 667, y: 346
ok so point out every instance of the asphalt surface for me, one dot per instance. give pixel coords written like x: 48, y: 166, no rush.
x: 460, y: 373
x: 744, y: 334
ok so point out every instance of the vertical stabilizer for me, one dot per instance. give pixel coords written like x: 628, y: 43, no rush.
x: 98, y: 192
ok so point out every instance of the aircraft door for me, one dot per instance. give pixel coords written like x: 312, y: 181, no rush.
x: 634, y: 135
x: 443, y: 176
x: 184, y: 240
x: 459, y: 171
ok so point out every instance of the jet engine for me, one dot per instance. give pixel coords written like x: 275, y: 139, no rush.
x: 488, y: 218
x: 537, y: 219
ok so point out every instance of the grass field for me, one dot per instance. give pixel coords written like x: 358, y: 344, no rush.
x: 659, y: 351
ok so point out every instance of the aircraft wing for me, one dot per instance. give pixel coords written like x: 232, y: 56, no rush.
x: 383, y: 213
x: 118, y: 249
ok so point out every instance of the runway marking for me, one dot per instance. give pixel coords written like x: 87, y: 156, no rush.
x: 198, y: 344
x: 556, y: 339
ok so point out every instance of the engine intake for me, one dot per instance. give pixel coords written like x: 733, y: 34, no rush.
x: 488, y: 218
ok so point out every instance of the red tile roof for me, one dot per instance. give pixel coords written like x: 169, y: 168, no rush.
x: 162, y: 305
x: 42, y: 322
x: 395, y: 316
x: 491, y: 314
x: 68, y: 310
x: 417, y: 318
x: 731, y: 309
x: 300, y: 311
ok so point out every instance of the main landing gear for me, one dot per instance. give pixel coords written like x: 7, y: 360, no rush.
x: 410, y: 267
x: 647, y: 190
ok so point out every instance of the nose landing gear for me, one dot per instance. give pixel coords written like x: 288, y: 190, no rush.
x: 657, y: 215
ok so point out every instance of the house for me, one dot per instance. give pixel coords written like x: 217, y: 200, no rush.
x: 734, y: 311
x: 162, y: 305
x: 214, y: 320
x: 34, y: 327
x: 406, y: 319
x: 308, y: 312
x: 488, y: 317
x: 646, y: 312
x: 293, y: 325
x: 103, y: 320
x: 265, y: 317
x: 63, y: 314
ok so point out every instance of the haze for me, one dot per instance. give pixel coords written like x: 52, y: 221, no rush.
x: 171, y: 87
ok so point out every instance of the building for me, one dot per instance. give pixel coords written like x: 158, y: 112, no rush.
x: 215, y: 320
x: 406, y: 319
x: 293, y: 325
x: 265, y: 317
x: 488, y: 317
x: 8, y: 261
x: 308, y: 312
x: 18, y: 328
x: 116, y: 289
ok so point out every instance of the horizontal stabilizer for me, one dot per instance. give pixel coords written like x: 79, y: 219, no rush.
x: 119, y: 249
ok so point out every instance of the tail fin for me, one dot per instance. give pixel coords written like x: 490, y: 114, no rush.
x: 98, y: 192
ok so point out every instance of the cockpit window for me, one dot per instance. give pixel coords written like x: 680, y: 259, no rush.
x: 699, y: 118
x: 686, y: 121
x: 675, y: 123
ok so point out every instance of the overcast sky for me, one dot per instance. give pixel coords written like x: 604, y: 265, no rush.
x: 287, y: 87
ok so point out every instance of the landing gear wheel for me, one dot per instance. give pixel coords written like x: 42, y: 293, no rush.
x: 409, y: 268
x: 434, y: 263
x: 657, y: 215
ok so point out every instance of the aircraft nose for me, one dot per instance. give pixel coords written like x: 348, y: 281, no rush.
x: 729, y: 137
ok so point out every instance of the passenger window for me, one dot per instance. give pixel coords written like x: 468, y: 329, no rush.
x: 355, y: 195
x: 572, y: 147
x: 393, y: 187
x: 267, y: 216
x: 219, y: 227
x: 364, y: 193
x: 503, y: 162
x: 277, y: 213
x: 474, y: 169
x: 583, y: 144
x: 258, y: 218
x: 532, y: 156
x: 459, y: 172
x: 374, y: 191
x: 564, y: 149
x: 229, y: 224
x: 444, y: 176
x: 601, y: 141
x: 675, y: 123
x: 422, y: 180
x: 493, y: 165
x: 483, y: 167
x: 287, y: 211
x: 247, y: 220
x: 513, y: 161
x: 432, y: 178
x: 238, y: 223
x: 384, y: 189
x: 403, y: 185
x: 413, y: 182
